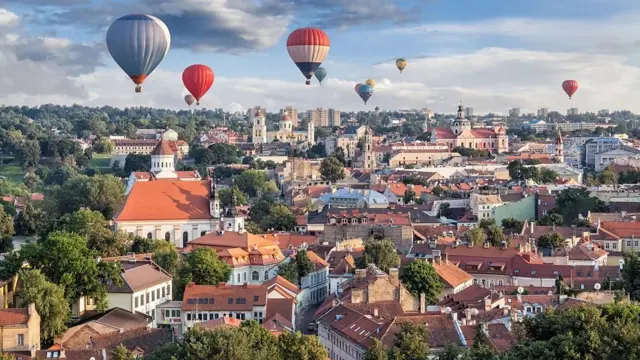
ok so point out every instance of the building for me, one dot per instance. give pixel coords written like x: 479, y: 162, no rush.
x: 314, y: 287
x: 468, y: 112
x: 559, y: 148
x: 368, y: 156
x: 543, y: 113
x: 122, y: 148
x: 20, y: 331
x: 403, y: 158
x: 514, y: 112
x: 482, y: 205
x: 573, y: 111
x: 221, y: 135
x: 354, y: 198
x: 324, y: 117
x: 157, y: 134
x: 597, y: 146
x: 537, y: 125
x: 608, y: 157
x: 292, y: 113
x: 461, y: 134
x: 284, y: 134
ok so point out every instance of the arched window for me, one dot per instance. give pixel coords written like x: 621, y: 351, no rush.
x: 167, y: 236
x: 203, y: 233
x: 266, y: 275
x: 255, y: 276
x: 185, y: 238
x: 149, y: 235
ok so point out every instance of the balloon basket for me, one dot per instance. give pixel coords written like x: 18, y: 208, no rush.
x: 308, y: 82
x: 138, y: 89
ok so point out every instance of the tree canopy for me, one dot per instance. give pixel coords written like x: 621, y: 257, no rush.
x: 382, y: 253
x: 421, y: 278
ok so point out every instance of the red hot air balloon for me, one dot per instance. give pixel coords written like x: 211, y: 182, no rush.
x: 198, y: 80
x: 570, y: 87
x: 308, y: 47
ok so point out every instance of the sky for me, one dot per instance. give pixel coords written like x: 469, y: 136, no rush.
x: 491, y: 55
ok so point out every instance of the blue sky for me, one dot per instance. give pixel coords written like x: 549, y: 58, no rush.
x: 490, y: 54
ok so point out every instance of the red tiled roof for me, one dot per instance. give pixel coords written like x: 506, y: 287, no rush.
x: 622, y: 229
x: 225, y: 297
x: 10, y: 317
x: 163, y: 148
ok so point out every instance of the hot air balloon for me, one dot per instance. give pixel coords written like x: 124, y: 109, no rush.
x: 138, y: 43
x: 570, y: 87
x: 321, y: 73
x: 189, y: 99
x: 308, y: 47
x: 371, y: 83
x: 198, y: 80
x: 401, y: 64
x: 365, y: 91
x: 357, y: 87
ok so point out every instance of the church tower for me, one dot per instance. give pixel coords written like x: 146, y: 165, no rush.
x: 163, y: 161
x: 460, y: 124
x: 311, y: 133
x: 232, y: 220
x: 214, y: 200
x: 286, y: 125
x: 259, y: 128
x: 368, y: 157
x: 559, y: 148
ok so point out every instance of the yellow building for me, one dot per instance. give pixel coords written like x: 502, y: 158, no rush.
x: 20, y: 330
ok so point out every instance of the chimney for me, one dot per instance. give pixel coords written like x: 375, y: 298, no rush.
x: 375, y: 312
x: 361, y: 273
x: 487, y: 303
x: 533, y: 224
x: 423, y: 303
x: 394, y: 275
x: 505, y: 311
x: 356, y: 296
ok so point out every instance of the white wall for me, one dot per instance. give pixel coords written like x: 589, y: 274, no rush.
x: 149, y: 307
x: 194, y: 228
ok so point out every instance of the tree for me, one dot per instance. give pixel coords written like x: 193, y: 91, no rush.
x: 31, y: 181
x: 252, y: 227
x: 608, y: 176
x: 495, y: 234
x: 377, y: 351
x: 332, y: 169
x: 444, y: 210
x: 49, y: 301
x: 202, y: 267
x: 280, y: 218
x: 476, y: 236
x: 30, y: 220
x: 512, y: 224
x: 515, y: 169
x: 411, y: 343
x: 421, y: 278
x: 340, y: 156
x: 254, y: 183
x: 303, y: 347
x: 61, y: 174
x: 289, y: 271
x: 137, y: 162
x: 551, y: 219
x: 631, y: 275
x: 551, y: 240
x: 6, y: 225
x: 451, y: 352
x: 572, y: 202
x: 409, y: 196
x: 166, y: 256
x: 225, y: 197
x: 486, y: 223
x: 94, y: 227
x: 380, y: 252
x: 28, y: 153
x: 304, y: 265
x: 104, y: 193
x: 121, y: 353
x: 547, y: 176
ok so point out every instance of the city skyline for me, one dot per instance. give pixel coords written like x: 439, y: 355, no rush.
x: 491, y: 58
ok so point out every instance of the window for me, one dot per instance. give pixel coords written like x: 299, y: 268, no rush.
x: 614, y: 246
x: 189, y: 316
x: 628, y: 243
x: 167, y: 313
x: 163, y: 292
x: 266, y: 275
x: 20, y: 340
x: 238, y: 278
x: 153, y: 296
x: 141, y: 299
x: 147, y: 298
x: 149, y: 235
x: 168, y: 290
x: 167, y: 236
x: 185, y: 238
x: 136, y: 301
x: 256, y: 298
x: 255, y: 276
x: 244, y: 277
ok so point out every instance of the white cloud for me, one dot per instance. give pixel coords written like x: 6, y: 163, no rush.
x: 8, y: 19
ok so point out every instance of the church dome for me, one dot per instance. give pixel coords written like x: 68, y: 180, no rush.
x: 163, y: 148
x: 259, y: 113
x: 285, y: 117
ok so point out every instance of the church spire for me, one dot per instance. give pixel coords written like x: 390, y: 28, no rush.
x: 460, y: 111
x: 233, y: 208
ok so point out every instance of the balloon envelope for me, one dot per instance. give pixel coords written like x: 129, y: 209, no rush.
x: 401, y: 64
x: 321, y: 73
x: 138, y: 43
x: 198, y: 80
x: 189, y: 99
x: 357, y: 87
x: 570, y: 87
x: 308, y: 47
x: 371, y: 83
x: 365, y: 91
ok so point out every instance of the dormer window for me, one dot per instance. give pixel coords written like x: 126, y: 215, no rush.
x: 364, y: 220
x: 344, y: 220
x: 354, y: 220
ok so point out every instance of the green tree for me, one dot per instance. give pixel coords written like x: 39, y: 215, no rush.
x: 608, y: 176
x: 572, y: 202
x: 512, y: 224
x: 631, y: 275
x: 304, y: 265
x: 551, y: 219
x: 332, y: 169
x: 202, y: 267
x: 137, y: 162
x: 254, y: 183
x: 253, y: 227
x: 6, y: 225
x: 486, y: 223
x: 280, y: 218
x: 380, y: 252
x: 515, y: 169
x: 166, y: 256
x: 289, y: 271
x: 49, y: 301
x: 28, y: 153
x: 495, y: 234
x: 340, y: 156
x: 30, y: 220
x: 104, y: 193
x: 31, y: 181
x: 421, y: 278
x: 409, y: 196
x: 547, y: 176
x: 142, y: 245
x: 411, y: 343
x: 445, y: 210
x: 451, y: 352
x: 303, y: 347
x: 551, y: 240
x: 377, y: 351
x: 225, y: 197
x: 94, y: 227
x: 476, y: 236
x: 121, y: 353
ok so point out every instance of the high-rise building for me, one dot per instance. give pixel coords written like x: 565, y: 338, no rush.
x: 292, y: 113
x: 573, y: 111
x: 514, y: 112
x: 324, y: 117
x: 543, y: 113
x: 468, y: 112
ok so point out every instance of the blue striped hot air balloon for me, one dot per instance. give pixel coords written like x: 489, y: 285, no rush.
x: 308, y: 47
x: 138, y: 43
x: 365, y: 91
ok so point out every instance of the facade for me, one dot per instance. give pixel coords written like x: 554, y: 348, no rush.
x: 354, y: 198
x: 482, y: 205
x: 543, y: 113
x: 462, y: 134
x: 284, y: 134
x: 221, y: 135
x: 157, y: 134
x: 368, y: 156
x: 597, y: 146
x: 402, y: 158
x: 514, y: 112
x: 324, y: 117
x: 314, y: 287
x: 146, y: 146
x: 609, y: 157
x: 20, y: 331
x: 292, y: 113
x: 573, y: 111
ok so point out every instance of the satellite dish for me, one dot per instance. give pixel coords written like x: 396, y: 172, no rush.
x: 92, y: 358
x: 475, y: 311
x: 447, y: 310
x: 597, y: 286
x: 520, y: 290
x: 621, y: 261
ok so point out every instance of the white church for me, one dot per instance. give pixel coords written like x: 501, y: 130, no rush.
x: 285, y: 132
x: 175, y: 206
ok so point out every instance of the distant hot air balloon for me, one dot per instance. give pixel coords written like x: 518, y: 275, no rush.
x: 189, y: 99
x: 138, y: 43
x: 365, y: 91
x: 321, y: 73
x: 570, y: 87
x: 371, y: 83
x: 308, y: 47
x: 198, y: 80
x: 401, y: 64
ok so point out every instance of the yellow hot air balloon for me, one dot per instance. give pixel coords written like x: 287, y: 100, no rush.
x: 401, y: 64
x: 371, y: 83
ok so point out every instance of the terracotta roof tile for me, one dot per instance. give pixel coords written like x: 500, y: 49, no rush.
x: 225, y: 297
x: 10, y: 317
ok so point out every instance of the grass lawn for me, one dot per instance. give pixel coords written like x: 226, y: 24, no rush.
x: 13, y: 173
x: 101, y: 161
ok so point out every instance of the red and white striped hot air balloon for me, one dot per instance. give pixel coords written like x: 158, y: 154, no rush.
x: 308, y: 47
